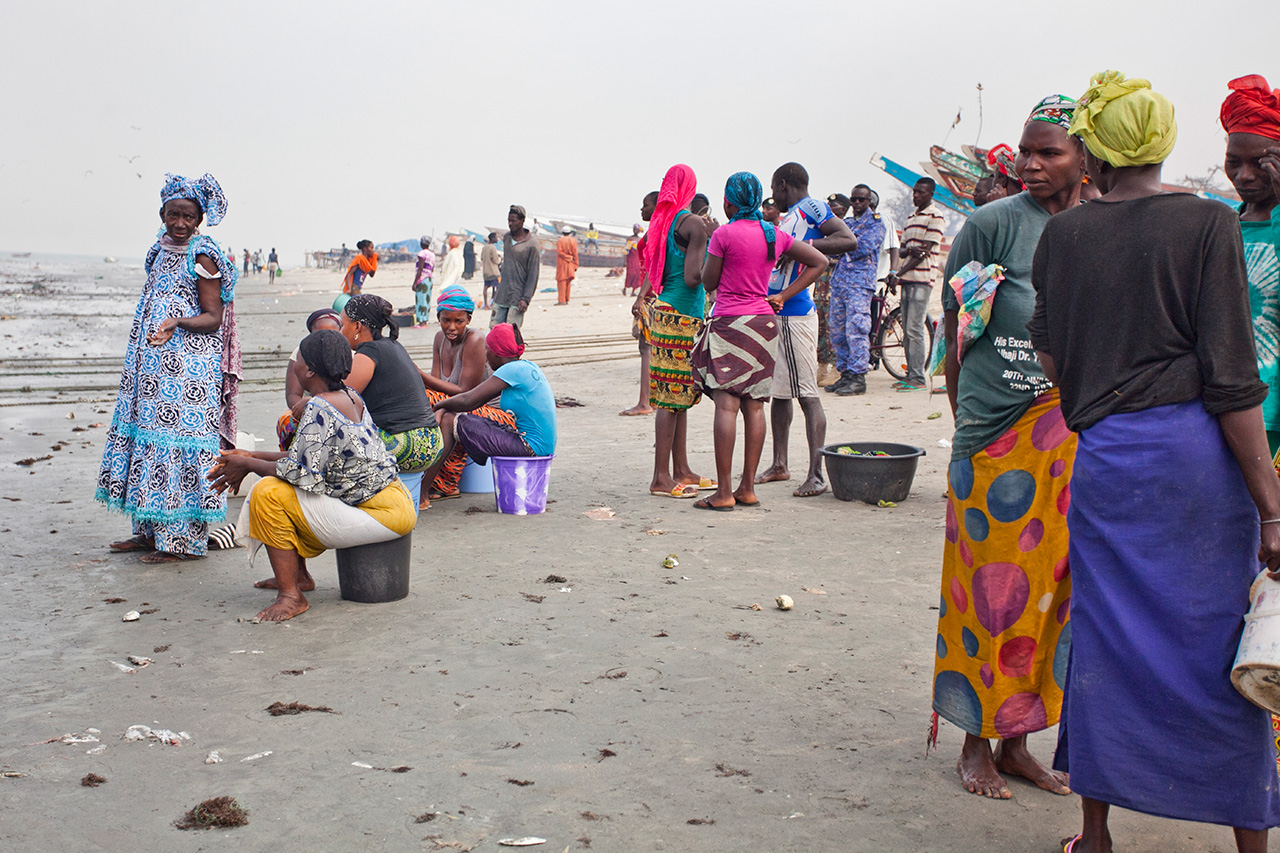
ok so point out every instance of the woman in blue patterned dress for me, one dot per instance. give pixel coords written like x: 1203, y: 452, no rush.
x: 175, y: 396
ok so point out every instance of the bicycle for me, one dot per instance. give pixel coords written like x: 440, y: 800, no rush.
x: 888, y: 337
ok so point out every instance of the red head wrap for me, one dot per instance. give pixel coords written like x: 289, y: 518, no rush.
x: 1252, y: 107
x: 678, y: 189
x: 1000, y: 159
x: 502, y: 341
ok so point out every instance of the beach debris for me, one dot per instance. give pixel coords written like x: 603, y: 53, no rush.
x: 784, y: 602
x: 11, y: 774
x: 302, y: 671
x: 158, y: 649
x: 115, y: 600
x: 670, y: 561
x: 96, y: 750
x: 605, y: 753
x: 521, y: 783
x: 569, y: 403
x: 280, y: 709
x: 92, y: 780
x: 756, y: 607
x: 555, y: 579
x: 566, y: 589
x: 813, y: 591
x: 31, y: 460
x: 90, y: 736
x: 603, y: 513
x: 701, y: 821
x: 138, y: 661
x: 426, y: 817
x: 362, y: 765
x: 217, y: 813
x: 141, y: 732
x: 214, y: 757
x: 725, y: 771
x: 71, y: 416
x: 256, y: 756
x: 131, y: 616
x: 536, y: 599
x: 614, y: 674
x: 527, y: 841
x: 248, y: 652
x: 662, y: 634
x: 794, y: 815
x: 933, y: 416
x: 126, y: 669
x: 886, y: 504
x: 942, y: 442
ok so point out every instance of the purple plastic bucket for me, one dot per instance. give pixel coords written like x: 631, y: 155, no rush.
x: 520, y: 483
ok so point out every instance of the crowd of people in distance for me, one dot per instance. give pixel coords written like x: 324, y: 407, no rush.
x: 1117, y: 373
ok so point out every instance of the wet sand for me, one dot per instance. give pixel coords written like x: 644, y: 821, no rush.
x: 649, y: 708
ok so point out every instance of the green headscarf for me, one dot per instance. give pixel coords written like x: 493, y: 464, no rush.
x: 1124, y: 122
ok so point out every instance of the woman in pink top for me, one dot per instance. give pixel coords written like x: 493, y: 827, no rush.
x: 734, y: 360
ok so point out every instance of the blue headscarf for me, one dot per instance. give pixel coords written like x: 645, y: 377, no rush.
x: 744, y: 191
x: 204, y: 192
x: 455, y: 298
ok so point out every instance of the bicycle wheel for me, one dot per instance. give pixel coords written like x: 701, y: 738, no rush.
x: 891, y: 345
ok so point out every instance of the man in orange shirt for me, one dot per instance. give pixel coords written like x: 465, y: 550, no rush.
x: 566, y: 264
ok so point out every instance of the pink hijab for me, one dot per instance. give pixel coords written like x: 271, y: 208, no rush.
x: 678, y: 189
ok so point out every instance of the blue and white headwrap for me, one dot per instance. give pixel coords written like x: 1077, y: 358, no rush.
x: 204, y: 192
x: 744, y: 191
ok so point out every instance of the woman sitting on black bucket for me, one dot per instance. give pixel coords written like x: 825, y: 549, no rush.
x: 335, y: 488
x: 522, y: 390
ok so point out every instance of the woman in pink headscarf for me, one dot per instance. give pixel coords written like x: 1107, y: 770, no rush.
x: 676, y: 245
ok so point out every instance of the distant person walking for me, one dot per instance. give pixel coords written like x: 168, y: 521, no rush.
x: 246, y: 261
x: 424, y: 271
x: 635, y: 268
x: 593, y: 238
x: 490, y: 269
x: 468, y: 259
x: 641, y: 310
x: 566, y: 264
x: 257, y: 262
x: 273, y: 264
x: 520, y: 262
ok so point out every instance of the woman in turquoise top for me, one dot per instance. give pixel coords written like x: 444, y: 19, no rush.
x: 686, y: 299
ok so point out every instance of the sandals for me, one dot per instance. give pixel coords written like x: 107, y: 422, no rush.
x: 1070, y: 843
x: 706, y: 503
x: 442, y: 496
x: 684, y: 492
x: 133, y: 543
x: 167, y: 557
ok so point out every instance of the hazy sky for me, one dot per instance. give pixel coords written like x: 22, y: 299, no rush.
x: 328, y: 122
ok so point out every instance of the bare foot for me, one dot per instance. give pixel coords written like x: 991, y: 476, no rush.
x: 1016, y: 760
x: 306, y: 583
x: 978, y: 772
x: 283, y: 608
x: 637, y: 410
x: 773, y: 474
x: 811, y: 487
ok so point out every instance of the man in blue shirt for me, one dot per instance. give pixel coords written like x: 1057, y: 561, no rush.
x: 795, y: 375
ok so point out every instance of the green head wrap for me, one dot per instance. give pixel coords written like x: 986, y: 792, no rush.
x: 1124, y: 122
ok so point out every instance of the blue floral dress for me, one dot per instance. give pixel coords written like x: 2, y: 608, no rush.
x: 164, y: 434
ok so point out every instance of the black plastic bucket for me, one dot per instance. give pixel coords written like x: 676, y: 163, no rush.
x: 872, y: 479
x: 372, y: 574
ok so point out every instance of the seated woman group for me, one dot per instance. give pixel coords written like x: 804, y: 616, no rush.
x: 336, y: 487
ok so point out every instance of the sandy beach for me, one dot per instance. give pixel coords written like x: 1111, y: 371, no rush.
x: 624, y: 706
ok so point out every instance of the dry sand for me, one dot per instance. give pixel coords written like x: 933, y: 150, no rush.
x: 646, y: 708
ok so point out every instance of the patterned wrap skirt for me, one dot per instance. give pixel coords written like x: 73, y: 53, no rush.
x: 1003, y: 632
x: 671, y: 339
x: 415, y: 450
x: 736, y: 355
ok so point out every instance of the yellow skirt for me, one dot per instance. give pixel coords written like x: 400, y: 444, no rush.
x: 1003, y: 630
x: 277, y: 521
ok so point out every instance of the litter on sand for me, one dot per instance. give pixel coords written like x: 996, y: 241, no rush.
x: 603, y: 513
x: 138, y: 661
x: 256, y: 756
x: 213, y: 757
x: 527, y: 841
x: 131, y: 616
x: 141, y: 732
x: 886, y: 504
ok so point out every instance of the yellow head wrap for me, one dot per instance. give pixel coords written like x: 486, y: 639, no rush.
x: 1124, y: 122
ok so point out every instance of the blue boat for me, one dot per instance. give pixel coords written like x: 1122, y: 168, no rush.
x: 941, y: 194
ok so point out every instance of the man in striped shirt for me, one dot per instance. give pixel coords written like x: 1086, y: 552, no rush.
x: 921, y: 238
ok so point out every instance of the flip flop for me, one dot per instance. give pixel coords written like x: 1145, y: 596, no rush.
x: 133, y: 543
x: 905, y: 387
x: 745, y: 503
x: 706, y: 503
x: 1070, y: 844
x: 439, y: 496
x: 167, y: 557
x: 680, y: 492
x: 705, y: 483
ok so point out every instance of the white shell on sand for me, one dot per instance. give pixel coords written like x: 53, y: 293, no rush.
x: 527, y: 841
x: 785, y: 602
x: 122, y: 667
x: 139, y: 661
x: 131, y: 616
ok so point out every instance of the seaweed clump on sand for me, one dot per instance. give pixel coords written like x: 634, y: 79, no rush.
x: 92, y: 780
x: 280, y: 709
x: 217, y: 813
